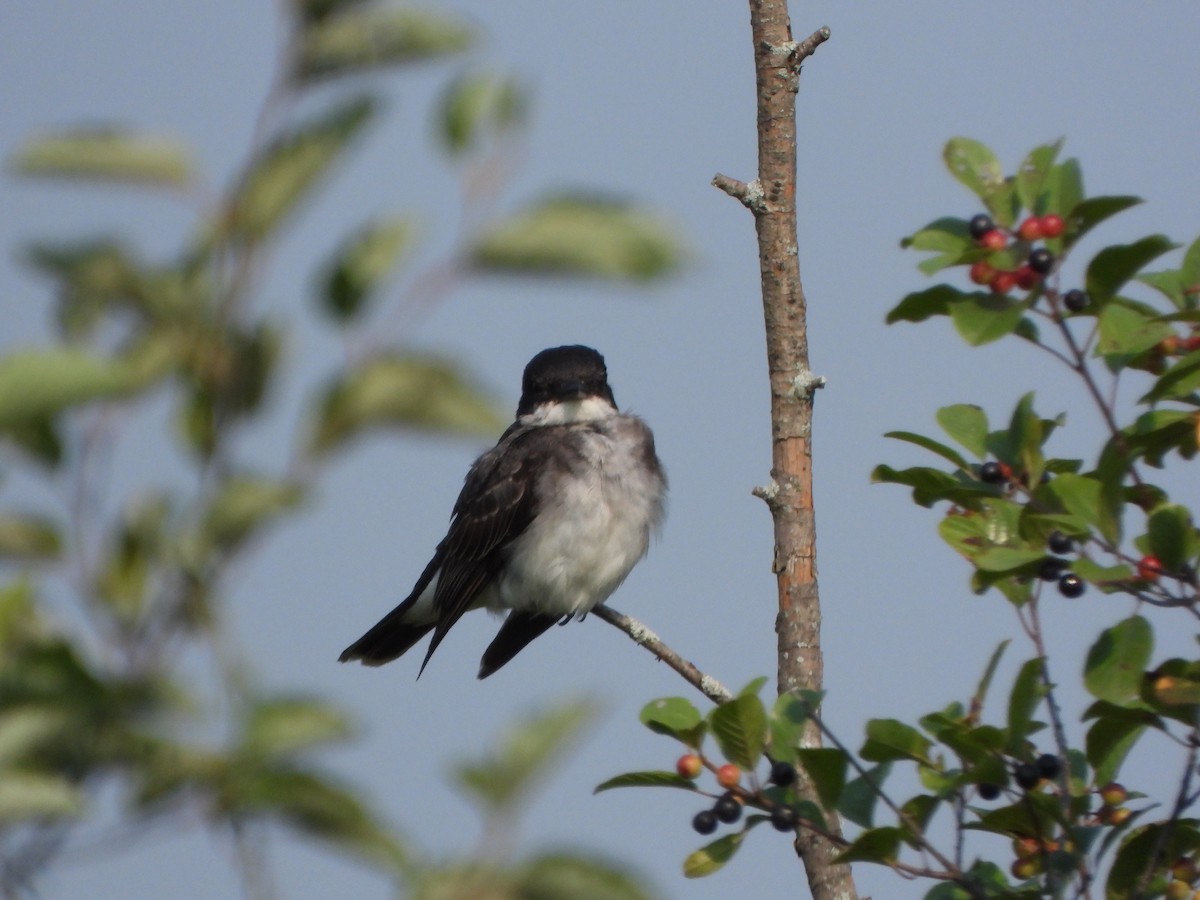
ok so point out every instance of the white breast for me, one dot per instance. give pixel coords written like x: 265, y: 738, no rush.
x: 592, y: 529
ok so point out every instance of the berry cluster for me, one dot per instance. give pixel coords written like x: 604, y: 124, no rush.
x: 1026, y: 775
x: 1038, y: 263
x: 1185, y: 872
x: 1055, y: 568
x: 728, y: 806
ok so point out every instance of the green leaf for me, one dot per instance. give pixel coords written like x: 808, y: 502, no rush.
x: 1169, y: 840
x: 286, y: 171
x: 826, y: 767
x: 576, y: 235
x: 674, y: 717
x: 505, y: 774
x: 1007, y: 559
x: 985, y: 682
x: 28, y: 537
x: 284, y: 725
x: 1063, y: 187
x: 36, y: 796
x: 929, y: 485
x: 477, y: 104
x: 1032, y: 175
x: 877, y: 845
x: 1089, y: 213
x: 789, y: 716
x: 1110, y: 739
x: 1112, y: 267
x: 396, y: 390
x: 35, y: 384
x: 107, y: 154
x: 861, y: 794
x: 1127, y: 331
x: 977, y: 167
x: 983, y: 318
x: 1027, y: 694
x: 891, y: 739
x: 1083, y: 497
x: 740, y: 727
x: 712, y: 857
x: 921, y: 305
x: 1179, y: 382
x: 653, y: 778
x: 244, y: 504
x: 754, y: 685
x: 940, y: 449
x: 558, y: 876
x: 360, y: 39
x: 1172, y: 535
x: 967, y: 424
x: 1117, y: 660
x: 361, y: 265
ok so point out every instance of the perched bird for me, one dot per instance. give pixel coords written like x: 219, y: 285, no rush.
x: 549, y: 521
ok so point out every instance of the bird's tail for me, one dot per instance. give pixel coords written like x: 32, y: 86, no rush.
x: 390, y: 638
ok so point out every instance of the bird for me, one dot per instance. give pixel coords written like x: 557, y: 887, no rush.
x: 548, y: 524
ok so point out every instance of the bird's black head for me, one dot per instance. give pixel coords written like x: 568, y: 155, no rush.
x: 564, y: 375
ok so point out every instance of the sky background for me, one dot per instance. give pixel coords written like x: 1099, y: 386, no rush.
x: 650, y: 101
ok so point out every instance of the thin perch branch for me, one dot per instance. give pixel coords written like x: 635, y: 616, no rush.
x: 640, y: 634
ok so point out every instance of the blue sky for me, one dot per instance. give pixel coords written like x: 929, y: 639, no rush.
x: 648, y: 100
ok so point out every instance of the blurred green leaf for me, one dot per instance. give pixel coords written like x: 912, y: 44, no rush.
x: 1031, y: 176
x: 891, y: 739
x: 930, y: 485
x: 940, y: 449
x: 1179, y: 382
x: 478, y: 103
x: 675, y: 717
x: 290, y: 167
x: 316, y: 10
x: 357, y: 39
x: 646, y: 779
x: 945, y: 235
x: 983, y: 318
x: 877, y: 845
x: 282, y: 726
x: 25, y: 730
x: 921, y: 305
x: 1128, y: 331
x: 1027, y: 693
x: 1110, y: 739
x: 35, y: 384
x: 1166, y: 840
x: 1082, y: 496
x: 28, y: 537
x: 396, y: 390
x: 1114, y: 266
x: 506, y: 773
x: 243, y: 504
x: 1117, y: 660
x: 977, y: 167
x: 740, y: 727
x: 1172, y: 536
x: 576, y: 235
x: 39, y: 796
x: 967, y: 424
x: 826, y: 767
x: 361, y: 265
x: 560, y: 876
x: 788, y: 719
x: 714, y: 856
x: 1063, y: 187
x: 1089, y: 213
x: 107, y: 154
x: 860, y: 795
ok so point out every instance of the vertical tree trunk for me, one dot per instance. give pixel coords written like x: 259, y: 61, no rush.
x: 772, y: 199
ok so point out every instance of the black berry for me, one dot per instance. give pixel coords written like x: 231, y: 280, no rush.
x: 1076, y: 300
x: 989, y: 791
x: 1071, y: 586
x: 784, y: 818
x: 727, y: 809
x: 705, y: 821
x: 1059, y: 543
x: 782, y: 773
x: 980, y: 225
x: 1026, y: 776
x: 1049, y: 766
x: 1041, y: 260
x: 991, y: 473
x: 1052, y: 568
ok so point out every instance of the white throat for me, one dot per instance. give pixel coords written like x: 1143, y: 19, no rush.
x: 569, y: 412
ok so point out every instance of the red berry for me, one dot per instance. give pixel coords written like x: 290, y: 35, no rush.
x: 1052, y: 225
x: 1003, y: 282
x: 729, y: 775
x: 1119, y: 815
x: 688, y: 765
x: 1025, y: 868
x: 1191, y: 344
x: 1027, y: 279
x: 994, y: 240
x: 1149, y: 568
x: 1114, y: 793
x: 1171, y: 345
x: 1031, y: 229
x: 982, y: 272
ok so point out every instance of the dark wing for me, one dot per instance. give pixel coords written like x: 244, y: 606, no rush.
x: 517, y: 631
x: 496, y: 505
